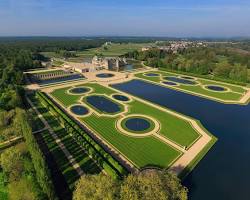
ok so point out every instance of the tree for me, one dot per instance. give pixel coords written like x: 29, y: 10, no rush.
x: 11, y: 163
x: 153, y: 185
x: 147, y: 185
x: 222, y: 69
x: 21, y: 190
x: 239, y: 73
x: 96, y: 187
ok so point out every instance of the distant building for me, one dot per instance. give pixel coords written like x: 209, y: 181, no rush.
x: 97, y: 64
x: 145, y: 48
x: 109, y: 63
x: 82, y: 67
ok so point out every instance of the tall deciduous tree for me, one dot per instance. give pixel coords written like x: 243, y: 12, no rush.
x: 96, y: 187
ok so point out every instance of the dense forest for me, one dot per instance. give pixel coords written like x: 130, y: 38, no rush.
x: 215, y: 62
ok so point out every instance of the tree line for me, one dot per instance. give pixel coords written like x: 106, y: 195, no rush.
x: 146, y: 185
x: 210, y: 61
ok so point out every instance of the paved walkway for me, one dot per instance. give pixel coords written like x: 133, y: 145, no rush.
x: 73, y: 162
x: 245, y: 98
x: 38, y: 131
x: 11, y: 140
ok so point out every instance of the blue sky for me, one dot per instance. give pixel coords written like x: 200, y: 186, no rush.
x: 179, y: 18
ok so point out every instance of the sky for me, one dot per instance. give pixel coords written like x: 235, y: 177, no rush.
x: 170, y: 18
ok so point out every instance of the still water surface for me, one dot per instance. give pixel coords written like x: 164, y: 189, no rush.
x: 224, y: 173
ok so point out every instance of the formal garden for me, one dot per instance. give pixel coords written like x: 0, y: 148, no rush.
x: 198, y: 86
x: 129, y: 126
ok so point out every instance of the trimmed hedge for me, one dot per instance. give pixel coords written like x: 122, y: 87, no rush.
x: 105, y: 160
x: 42, y: 171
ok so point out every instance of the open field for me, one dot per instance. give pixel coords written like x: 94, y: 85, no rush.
x: 231, y: 93
x: 114, y: 49
x: 141, y: 151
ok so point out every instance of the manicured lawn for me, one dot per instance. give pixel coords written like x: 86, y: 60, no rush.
x: 114, y: 49
x: 175, y: 129
x: 141, y: 151
x: 235, y: 93
x: 65, y: 98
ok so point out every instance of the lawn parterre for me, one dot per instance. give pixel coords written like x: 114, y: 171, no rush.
x: 231, y: 93
x: 143, y: 151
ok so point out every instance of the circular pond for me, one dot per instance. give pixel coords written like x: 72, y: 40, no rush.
x: 216, y: 88
x: 105, y: 75
x: 138, y: 124
x: 79, y: 90
x: 169, y: 83
x: 151, y: 74
x: 120, y: 97
x: 79, y: 110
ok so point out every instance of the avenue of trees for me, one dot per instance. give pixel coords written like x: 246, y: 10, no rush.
x: 148, y: 185
x: 213, y: 62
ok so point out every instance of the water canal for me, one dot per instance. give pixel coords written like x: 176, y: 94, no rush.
x: 224, y: 172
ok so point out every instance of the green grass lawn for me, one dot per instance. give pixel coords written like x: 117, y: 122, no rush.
x: 60, y: 95
x: 141, y: 151
x: 114, y: 49
x: 235, y: 93
x: 70, y: 174
x: 175, y: 129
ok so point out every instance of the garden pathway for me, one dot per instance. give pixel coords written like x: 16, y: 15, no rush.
x: 71, y: 159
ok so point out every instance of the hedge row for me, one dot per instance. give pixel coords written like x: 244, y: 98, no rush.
x: 42, y: 172
x: 105, y: 160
